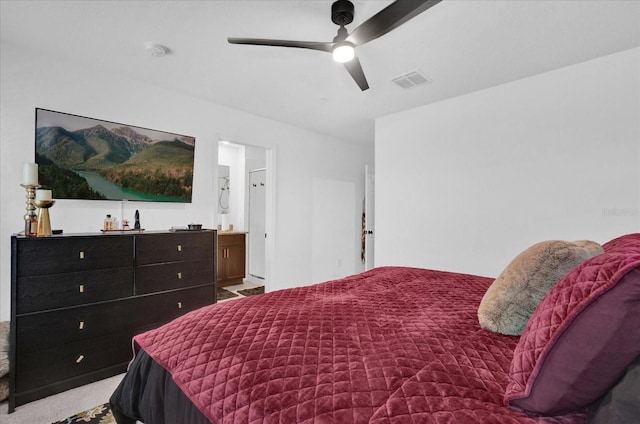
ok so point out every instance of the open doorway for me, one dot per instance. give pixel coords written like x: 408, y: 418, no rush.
x: 245, y: 208
x: 257, y: 236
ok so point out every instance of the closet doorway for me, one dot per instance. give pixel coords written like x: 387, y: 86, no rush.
x: 245, y: 178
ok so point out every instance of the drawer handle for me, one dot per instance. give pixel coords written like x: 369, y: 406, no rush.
x: 81, y: 255
x: 81, y: 288
x: 179, y: 248
x: 79, y: 359
x: 81, y: 325
x: 179, y: 276
x: 179, y: 305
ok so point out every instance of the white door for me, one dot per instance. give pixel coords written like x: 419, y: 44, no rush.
x: 257, y: 233
x: 368, y: 225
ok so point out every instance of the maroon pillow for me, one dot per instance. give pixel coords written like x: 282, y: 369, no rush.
x: 623, y: 242
x: 582, y: 336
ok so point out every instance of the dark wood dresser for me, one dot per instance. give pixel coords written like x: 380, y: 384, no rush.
x: 78, y: 299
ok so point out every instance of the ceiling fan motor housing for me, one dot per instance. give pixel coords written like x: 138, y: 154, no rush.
x: 342, y: 12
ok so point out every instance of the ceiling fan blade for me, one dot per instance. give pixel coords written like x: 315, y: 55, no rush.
x: 355, y: 70
x: 313, y: 45
x: 389, y: 18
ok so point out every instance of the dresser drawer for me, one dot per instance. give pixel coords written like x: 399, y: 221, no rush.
x: 160, y: 308
x: 52, y: 255
x: 173, y: 275
x: 46, y: 330
x: 75, y: 288
x: 67, y: 360
x: 225, y: 240
x: 174, y: 247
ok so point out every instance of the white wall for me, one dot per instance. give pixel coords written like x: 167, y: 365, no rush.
x: 332, y: 199
x: 31, y: 80
x: 467, y: 183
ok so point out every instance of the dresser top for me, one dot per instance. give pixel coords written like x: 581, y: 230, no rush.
x: 112, y: 233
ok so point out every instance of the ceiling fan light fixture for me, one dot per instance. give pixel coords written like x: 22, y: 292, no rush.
x: 343, y: 52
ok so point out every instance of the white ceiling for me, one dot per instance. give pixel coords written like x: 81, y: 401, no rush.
x: 462, y: 46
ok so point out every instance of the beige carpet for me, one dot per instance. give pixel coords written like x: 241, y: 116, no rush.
x: 58, y: 407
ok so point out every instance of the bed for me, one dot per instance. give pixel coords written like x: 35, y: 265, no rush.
x: 390, y: 345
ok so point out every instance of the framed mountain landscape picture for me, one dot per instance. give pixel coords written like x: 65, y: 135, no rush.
x: 87, y: 158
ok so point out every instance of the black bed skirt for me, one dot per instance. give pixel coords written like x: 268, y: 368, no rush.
x: 148, y: 394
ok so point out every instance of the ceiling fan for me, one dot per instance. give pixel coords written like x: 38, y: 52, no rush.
x: 343, y: 44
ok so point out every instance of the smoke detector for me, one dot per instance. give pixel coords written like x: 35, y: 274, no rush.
x: 156, y: 49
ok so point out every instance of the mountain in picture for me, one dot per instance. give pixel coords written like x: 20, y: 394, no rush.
x: 115, y: 163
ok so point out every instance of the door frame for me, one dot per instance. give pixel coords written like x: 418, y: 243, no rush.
x: 368, y: 229
x: 270, y: 206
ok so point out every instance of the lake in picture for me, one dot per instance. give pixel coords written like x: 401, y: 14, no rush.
x: 114, y: 191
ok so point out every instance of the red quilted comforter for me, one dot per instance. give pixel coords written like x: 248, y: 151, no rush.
x: 391, y: 345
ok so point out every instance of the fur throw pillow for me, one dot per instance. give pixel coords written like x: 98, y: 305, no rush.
x: 4, y: 360
x: 4, y: 348
x: 511, y: 299
x: 4, y: 387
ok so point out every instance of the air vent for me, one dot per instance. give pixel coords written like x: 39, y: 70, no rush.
x: 411, y: 79
x: 156, y: 50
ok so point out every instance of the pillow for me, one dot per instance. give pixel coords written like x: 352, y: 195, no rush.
x: 629, y: 240
x: 4, y: 387
x: 4, y: 348
x: 513, y: 296
x: 4, y: 360
x: 582, y: 336
x: 621, y: 405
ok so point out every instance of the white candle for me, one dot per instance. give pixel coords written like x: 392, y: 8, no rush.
x: 43, y: 194
x: 30, y: 174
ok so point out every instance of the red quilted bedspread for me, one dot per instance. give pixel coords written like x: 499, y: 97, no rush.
x: 391, y: 345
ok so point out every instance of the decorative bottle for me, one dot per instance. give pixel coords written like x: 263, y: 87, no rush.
x: 30, y: 224
x: 136, y: 224
x: 108, y: 223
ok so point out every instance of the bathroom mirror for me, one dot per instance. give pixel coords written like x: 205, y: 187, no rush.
x: 223, y: 189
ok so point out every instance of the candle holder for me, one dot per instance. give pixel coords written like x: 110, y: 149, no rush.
x: 30, y: 218
x: 44, y: 222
